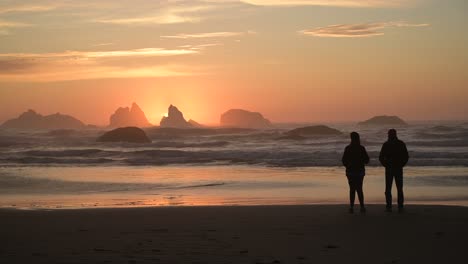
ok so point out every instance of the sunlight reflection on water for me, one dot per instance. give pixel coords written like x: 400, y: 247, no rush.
x: 85, y: 187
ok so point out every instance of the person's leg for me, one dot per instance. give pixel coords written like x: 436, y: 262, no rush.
x: 352, y: 194
x: 360, y: 192
x: 399, y: 184
x: 361, y: 196
x: 388, y: 187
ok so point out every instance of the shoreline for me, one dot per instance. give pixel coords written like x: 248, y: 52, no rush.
x: 77, y: 187
x: 457, y: 203
x: 235, y: 234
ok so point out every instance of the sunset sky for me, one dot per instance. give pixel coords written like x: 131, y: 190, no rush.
x: 295, y: 61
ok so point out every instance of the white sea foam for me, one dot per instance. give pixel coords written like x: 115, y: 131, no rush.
x: 220, y: 167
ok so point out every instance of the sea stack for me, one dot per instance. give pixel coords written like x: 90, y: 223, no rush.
x: 125, y: 117
x: 383, y: 121
x: 310, y: 131
x: 32, y: 120
x: 174, y: 119
x: 244, y: 119
x: 195, y: 124
x: 125, y: 134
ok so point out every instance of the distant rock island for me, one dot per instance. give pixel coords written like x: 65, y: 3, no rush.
x: 245, y: 119
x: 124, y: 117
x: 125, y: 134
x: 174, y: 119
x: 32, y: 120
x: 384, y: 120
x: 195, y: 124
x: 310, y: 131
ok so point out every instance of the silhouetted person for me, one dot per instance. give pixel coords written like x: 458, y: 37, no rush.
x: 354, y: 159
x: 393, y: 157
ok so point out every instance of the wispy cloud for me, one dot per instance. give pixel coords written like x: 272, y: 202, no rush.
x: 121, y: 12
x: 223, y: 34
x: 337, y: 3
x: 200, y: 47
x: 61, y: 72
x: 5, y: 26
x: 356, y: 30
x: 154, y: 19
x: 165, y: 14
x: 27, y: 8
x: 103, y: 44
x: 80, y: 65
x: 147, y: 52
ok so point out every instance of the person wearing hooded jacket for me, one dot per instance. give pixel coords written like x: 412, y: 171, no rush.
x: 355, y: 158
x: 393, y: 156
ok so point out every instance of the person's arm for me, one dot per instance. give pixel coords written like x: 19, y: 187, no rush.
x: 366, y: 156
x: 383, y: 156
x: 345, y: 158
x: 405, y: 155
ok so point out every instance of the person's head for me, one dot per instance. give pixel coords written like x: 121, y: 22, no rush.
x: 392, y: 134
x: 355, y: 138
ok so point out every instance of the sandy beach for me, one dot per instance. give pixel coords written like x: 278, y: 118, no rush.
x: 238, y: 234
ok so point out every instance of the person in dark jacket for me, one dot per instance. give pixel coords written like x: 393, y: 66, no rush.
x: 354, y: 159
x: 393, y: 156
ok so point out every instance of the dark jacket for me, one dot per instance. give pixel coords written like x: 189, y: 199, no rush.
x: 394, y: 154
x: 354, y: 158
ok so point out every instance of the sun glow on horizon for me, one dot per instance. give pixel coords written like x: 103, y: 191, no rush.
x: 356, y: 60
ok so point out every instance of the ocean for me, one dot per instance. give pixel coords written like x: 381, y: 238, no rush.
x: 69, y: 169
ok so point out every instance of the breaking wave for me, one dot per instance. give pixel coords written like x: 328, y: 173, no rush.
x: 429, y: 146
x: 271, y: 157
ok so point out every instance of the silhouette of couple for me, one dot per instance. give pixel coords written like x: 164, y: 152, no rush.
x: 393, y: 156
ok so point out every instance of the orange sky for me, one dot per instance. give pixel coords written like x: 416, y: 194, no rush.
x: 309, y: 61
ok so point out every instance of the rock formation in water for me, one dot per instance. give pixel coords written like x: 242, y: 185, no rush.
x: 174, y: 119
x: 244, y: 119
x: 125, y: 134
x: 32, y: 120
x: 125, y: 116
x: 383, y: 121
x: 311, y: 131
x: 195, y: 124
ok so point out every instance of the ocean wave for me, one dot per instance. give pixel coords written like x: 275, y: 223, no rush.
x: 176, y: 144
x: 266, y: 156
x: 460, y: 134
x: 429, y: 146
x: 450, y: 181
x: 63, y: 153
x: 19, y: 184
x: 50, y: 160
x: 9, y: 144
x: 174, y: 133
x: 440, y: 143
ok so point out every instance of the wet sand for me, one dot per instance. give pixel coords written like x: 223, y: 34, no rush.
x: 255, y: 234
